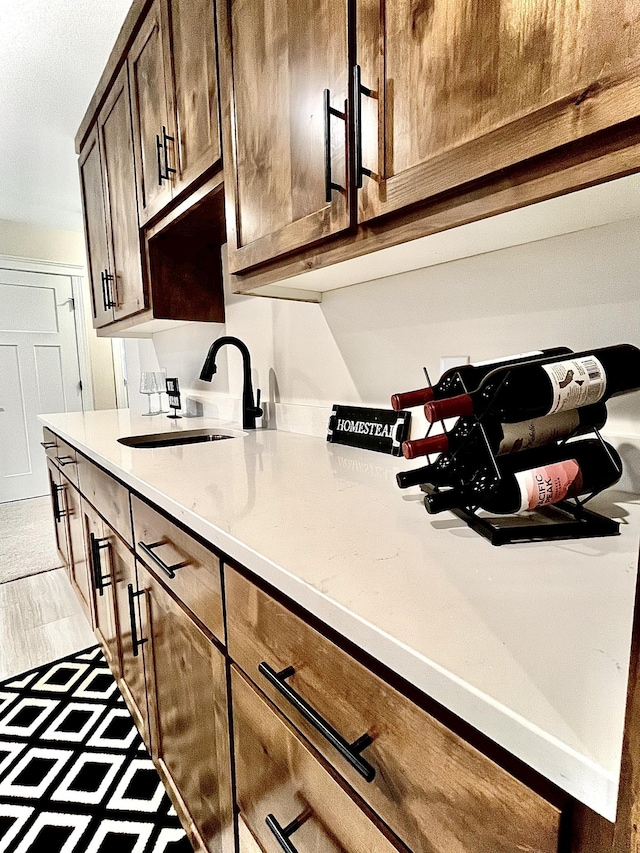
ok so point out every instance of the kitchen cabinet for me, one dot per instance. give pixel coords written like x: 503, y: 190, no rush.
x: 78, y: 564
x: 457, y: 112
x: 284, y: 105
x: 57, y: 491
x: 405, y: 757
x: 187, y: 689
x: 97, y: 544
x: 452, y: 92
x: 283, y: 791
x: 175, y: 100
x: 107, y: 178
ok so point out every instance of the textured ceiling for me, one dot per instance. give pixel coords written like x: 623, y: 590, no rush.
x: 52, y: 53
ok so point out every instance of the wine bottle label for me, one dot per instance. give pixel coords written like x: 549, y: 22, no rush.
x: 537, y: 432
x: 519, y: 356
x: 576, y: 382
x: 548, y: 484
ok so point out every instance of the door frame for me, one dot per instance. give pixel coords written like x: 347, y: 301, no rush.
x: 77, y: 274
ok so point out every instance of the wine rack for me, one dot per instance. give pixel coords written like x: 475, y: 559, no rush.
x: 458, y: 468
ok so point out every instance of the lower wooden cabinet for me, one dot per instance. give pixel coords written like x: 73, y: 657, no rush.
x: 280, y: 782
x: 59, y: 506
x: 79, y: 574
x: 187, y: 690
x: 100, y: 566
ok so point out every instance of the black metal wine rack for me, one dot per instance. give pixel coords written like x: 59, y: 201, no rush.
x: 567, y: 519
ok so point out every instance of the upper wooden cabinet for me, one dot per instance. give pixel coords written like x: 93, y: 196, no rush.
x: 454, y: 91
x: 174, y: 86
x: 284, y: 104
x: 107, y: 180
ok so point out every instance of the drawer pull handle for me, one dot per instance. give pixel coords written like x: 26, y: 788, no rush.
x: 349, y: 751
x: 135, y: 642
x: 99, y: 580
x: 329, y: 183
x: 58, y: 512
x: 283, y: 833
x: 48, y: 444
x: 65, y: 460
x: 170, y: 571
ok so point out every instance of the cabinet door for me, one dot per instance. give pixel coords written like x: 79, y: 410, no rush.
x: 190, y: 46
x: 78, y: 563
x: 462, y: 89
x: 59, y: 503
x: 280, y: 57
x: 151, y: 117
x: 95, y: 228
x: 187, y: 688
x: 116, y: 144
x: 132, y: 680
x: 97, y: 543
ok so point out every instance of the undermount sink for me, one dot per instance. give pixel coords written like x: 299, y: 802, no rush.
x: 169, y: 439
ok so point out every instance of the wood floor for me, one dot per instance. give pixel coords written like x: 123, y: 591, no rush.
x: 40, y: 621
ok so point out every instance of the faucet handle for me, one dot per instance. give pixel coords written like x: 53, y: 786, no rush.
x: 258, y: 411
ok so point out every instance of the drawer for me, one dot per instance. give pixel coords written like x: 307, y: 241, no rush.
x: 413, y: 760
x: 107, y: 495
x: 67, y: 460
x: 278, y: 778
x: 197, y: 574
x: 49, y: 442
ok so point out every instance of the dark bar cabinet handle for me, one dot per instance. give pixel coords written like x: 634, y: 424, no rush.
x: 108, y: 281
x: 99, y: 580
x: 168, y: 570
x: 166, y: 138
x: 135, y: 642
x: 349, y: 751
x: 103, y: 274
x: 48, y: 444
x: 65, y: 460
x: 282, y: 834
x: 329, y: 111
x: 358, y: 91
x: 58, y: 513
x: 161, y: 176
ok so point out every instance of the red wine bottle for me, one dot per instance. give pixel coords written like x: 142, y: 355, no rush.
x: 523, y: 392
x: 466, y: 377
x: 509, y: 438
x: 536, y: 478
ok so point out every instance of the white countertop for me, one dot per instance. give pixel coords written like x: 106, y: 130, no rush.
x: 529, y: 643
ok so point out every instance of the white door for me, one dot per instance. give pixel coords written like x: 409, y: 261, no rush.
x: 39, y: 373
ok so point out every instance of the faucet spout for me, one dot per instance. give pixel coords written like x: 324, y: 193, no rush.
x: 250, y: 409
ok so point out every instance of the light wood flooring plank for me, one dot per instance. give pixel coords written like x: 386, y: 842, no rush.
x: 40, y: 621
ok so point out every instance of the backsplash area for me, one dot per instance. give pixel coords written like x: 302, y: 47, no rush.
x: 365, y: 342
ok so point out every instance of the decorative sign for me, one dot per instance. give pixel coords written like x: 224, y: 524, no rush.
x: 383, y: 430
x: 173, y: 393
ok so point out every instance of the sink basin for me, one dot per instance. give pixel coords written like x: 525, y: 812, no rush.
x: 170, y: 439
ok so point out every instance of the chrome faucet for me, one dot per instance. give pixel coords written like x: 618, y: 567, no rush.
x: 250, y: 410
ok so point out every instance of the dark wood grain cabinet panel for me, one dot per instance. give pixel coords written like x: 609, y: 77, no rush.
x: 152, y: 117
x: 127, y: 286
x: 187, y: 689
x: 454, y: 91
x: 279, y: 57
x: 79, y: 573
x: 58, y: 491
x: 101, y: 570
x: 95, y: 227
x: 193, y: 78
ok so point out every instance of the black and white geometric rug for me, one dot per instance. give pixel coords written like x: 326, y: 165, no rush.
x: 75, y: 776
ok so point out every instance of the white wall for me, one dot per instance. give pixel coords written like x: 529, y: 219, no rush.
x: 32, y: 242
x: 367, y: 341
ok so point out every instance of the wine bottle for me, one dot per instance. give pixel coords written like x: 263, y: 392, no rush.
x: 466, y: 377
x: 508, y: 438
x: 535, y: 478
x: 440, y: 473
x: 522, y: 392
